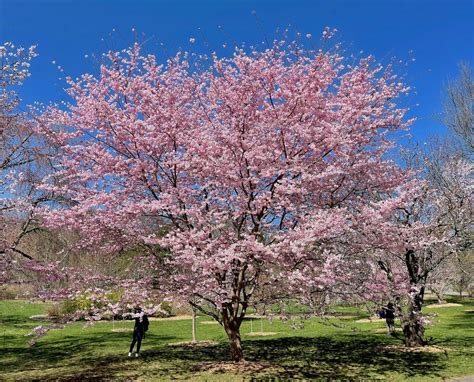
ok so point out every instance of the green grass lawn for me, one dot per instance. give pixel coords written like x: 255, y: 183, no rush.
x: 354, y: 352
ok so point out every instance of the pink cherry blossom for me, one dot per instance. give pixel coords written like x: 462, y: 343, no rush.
x: 243, y: 169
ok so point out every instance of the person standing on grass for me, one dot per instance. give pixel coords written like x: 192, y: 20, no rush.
x: 141, y: 326
x: 390, y: 318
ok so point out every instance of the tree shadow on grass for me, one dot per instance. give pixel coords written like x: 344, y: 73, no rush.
x: 461, y: 324
x: 348, y: 357
x: 69, y: 351
x: 463, y: 320
x: 19, y: 322
x: 345, y: 357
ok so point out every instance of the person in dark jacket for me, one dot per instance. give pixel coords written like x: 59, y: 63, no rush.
x: 141, y: 326
x: 390, y: 318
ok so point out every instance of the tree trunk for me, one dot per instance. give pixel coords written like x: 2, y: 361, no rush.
x: 235, y: 344
x: 233, y: 312
x: 413, y: 328
x: 194, y: 324
x: 440, y: 296
x: 232, y: 329
x: 413, y: 331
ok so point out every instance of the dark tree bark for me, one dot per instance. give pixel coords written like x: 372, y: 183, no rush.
x: 413, y: 328
x: 231, y: 314
x: 413, y: 331
x: 232, y: 329
x: 234, y: 311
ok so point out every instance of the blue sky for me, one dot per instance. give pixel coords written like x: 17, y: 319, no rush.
x: 438, y: 34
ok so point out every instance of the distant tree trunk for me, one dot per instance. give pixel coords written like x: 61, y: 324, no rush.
x: 440, y: 296
x: 194, y: 323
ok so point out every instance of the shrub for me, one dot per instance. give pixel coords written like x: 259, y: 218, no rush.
x: 70, y: 306
x: 180, y: 309
x: 13, y: 291
x: 7, y: 293
x: 167, y: 307
x: 54, y: 310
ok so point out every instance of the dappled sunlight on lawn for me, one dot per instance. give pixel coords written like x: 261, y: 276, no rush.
x: 317, y: 350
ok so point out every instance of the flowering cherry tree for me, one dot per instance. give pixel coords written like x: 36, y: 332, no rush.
x: 19, y: 158
x: 240, y: 168
x: 422, y: 234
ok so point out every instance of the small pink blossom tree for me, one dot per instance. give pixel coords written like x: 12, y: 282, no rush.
x: 414, y: 240
x: 239, y: 169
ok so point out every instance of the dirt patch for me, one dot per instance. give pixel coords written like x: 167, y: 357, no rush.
x: 420, y: 349
x: 41, y: 317
x: 197, y: 344
x: 172, y: 318
x: 243, y: 367
x: 57, y: 327
x: 261, y: 334
x: 209, y: 323
x: 467, y: 378
x: 365, y: 320
x: 254, y: 315
x: 385, y: 330
x: 448, y: 305
x: 122, y: 330
x: 337, y: 316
